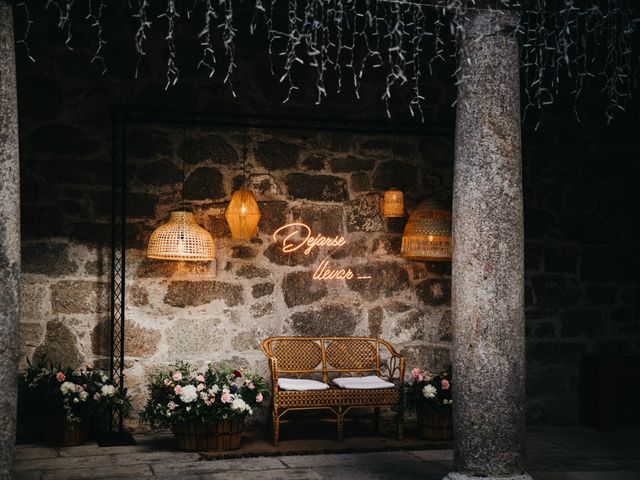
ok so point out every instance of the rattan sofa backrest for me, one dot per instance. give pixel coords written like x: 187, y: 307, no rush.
x: 327, y: 356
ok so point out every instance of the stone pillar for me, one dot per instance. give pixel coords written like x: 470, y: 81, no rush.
x: 9, y: 242
x: 488, y: 256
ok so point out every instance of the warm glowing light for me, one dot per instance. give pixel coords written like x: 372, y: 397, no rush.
x: 243, y: 215
x: 289, y: 243
x: 295, y: 236
x: 181, y: 238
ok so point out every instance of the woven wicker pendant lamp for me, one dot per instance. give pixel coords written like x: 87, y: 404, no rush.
x: 181, y: 238
x: 243, y: 213
x: 427, y: 235
x: 393, y: 203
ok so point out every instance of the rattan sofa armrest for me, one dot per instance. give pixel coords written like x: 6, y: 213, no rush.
x: 273, y: 366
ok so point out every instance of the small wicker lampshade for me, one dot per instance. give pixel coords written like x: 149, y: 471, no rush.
x: 181, y: 238
x: 393, y: 204
x: 427, y: 235
x: 243, y: 215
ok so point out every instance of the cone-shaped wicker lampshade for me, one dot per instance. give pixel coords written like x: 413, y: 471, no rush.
x: 243, y: 215
x: 427, y: 235
x: 393, y: 204
x: 181, y: 238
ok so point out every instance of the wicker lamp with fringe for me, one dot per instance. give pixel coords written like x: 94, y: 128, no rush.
x: 243, y: 215
x: 181, y: 238
x: 393, y: 203
x: 427, y: 235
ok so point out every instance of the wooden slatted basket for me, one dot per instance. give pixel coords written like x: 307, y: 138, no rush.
x: 195, y: 435
x: 435, y: 425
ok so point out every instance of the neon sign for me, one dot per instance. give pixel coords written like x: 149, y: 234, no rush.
x: 299, y: 236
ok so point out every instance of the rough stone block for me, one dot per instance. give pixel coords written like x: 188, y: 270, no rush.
x: 243, y: 251
x: 31, y: 333
x: 208, y: 148
x: 275, y: 154
x: 296, y: 258
x: 330, y: 319
x: 193, y: 337
x: 34, y: 302
x: 323, y: 220
x: 138, y: 341
x: 159, y: 173
x: 261, y: 309
x: 260, y: 290
x: 147, y: 144
x: 79, y: 296
x: 350, y: 163
x: 359, y: 182
x: 299, y: 288
x: 432, y: 358
x: 47, y: 258
x: 434, y: 291
x: 251, y: 271
x: 273, y: 216
x: 364, y: 214
x: 59, y: 347
x: 395, y: 174
x: 316, y: 187
x: 314, y: 162
x: 204, y: 183
x: 190, y: 294
x: 387, y: 279
x: 375, y: 317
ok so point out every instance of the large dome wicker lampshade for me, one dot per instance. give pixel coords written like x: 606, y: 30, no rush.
x: 243, y: 215
x: 427, y: 235
x: 181, y: 238
x: 393, y: 203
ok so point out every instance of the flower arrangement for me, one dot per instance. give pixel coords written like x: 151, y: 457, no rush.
x: 182, y: 394
x: 429, y: 391
x: 76, y: 394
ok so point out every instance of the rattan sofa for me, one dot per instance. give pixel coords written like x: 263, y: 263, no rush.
x: 324, y: 359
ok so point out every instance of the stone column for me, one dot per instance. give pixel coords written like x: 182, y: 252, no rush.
x: 9, y: 242
x: 488, y: 256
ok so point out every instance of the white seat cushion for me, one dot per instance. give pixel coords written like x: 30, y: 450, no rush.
x: 362, y: 383
x: 301, y: 384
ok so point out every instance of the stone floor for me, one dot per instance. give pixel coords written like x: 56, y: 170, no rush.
x: 555, y: 453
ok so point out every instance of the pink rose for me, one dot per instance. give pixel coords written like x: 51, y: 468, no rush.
x: 200, y: 387
x: 259, y: 397
x: 445, y: 384
x: 251, y: 386
x: 208, y: 402
x: 178, y: 390
x: 200, y: 378
x: 166, y: 382
x: 177, y: 376
x: 420, y: 378
x: 171, y: 405
x: 60, y: 377
x: 415, y: 372
x: 226, y: 398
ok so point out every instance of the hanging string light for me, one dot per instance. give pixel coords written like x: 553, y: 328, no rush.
x: 243, y: 213
x: 181, y: 238
x: 393, y: 203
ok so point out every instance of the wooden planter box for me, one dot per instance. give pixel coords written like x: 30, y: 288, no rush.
x: 195, y: 435
x: 57, y: 432
x: 435, y: 425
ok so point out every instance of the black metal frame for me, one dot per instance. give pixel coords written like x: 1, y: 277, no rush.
x: 121, y: 117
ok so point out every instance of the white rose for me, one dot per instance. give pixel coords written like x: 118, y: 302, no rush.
x: 83, y: 396
x: 67, y: 387
x: 239, y: 404
x: 429, y: 391
x: 213, y: 390
x: 108, y: 390
x: 189, y: 394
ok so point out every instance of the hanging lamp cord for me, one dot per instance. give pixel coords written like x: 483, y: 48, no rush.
x: 184, y: 160
x: 244, y: 156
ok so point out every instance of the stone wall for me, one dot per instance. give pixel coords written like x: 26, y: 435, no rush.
x: 580, y: 213
x: 221, y: 310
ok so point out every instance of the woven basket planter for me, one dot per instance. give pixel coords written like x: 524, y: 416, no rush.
x: 195, y: 435
x: 435, y: 425
x: 57, y: 432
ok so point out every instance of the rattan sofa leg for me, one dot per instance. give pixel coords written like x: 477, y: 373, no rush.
x: 376, y: 419
x: 276, y: 427
x: 340, y: 416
